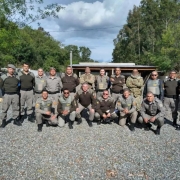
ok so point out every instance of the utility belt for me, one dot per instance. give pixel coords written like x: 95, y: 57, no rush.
x: 38, y: 92
x: 10, y: 93
x: 171, y: 96
x: 26, y: 89
x: 100, y: 90
x: 55, y: 92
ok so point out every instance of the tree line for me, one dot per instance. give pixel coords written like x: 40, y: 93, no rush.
x: 20, y: 43
x: 151, y: 35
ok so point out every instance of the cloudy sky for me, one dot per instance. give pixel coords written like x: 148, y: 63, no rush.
x: 90, y: 23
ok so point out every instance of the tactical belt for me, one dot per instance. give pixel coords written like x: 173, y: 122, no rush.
x: 55, y: 92
x: 38, y: 92
x: 171, y: 96
x: 26, y: 89
x: 11, y: 93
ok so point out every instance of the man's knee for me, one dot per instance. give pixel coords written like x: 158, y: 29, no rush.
x: 140, y: 119
x: 122, y: 121
x: 61, y: 122
x: 72, y: 116
x: 97, y: 116
x: 38, y: 118
x: 160, y: 121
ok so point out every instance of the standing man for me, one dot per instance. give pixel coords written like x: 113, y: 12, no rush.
x: 45, y: 111
x: 105, y: 108
x: 27, y: 82
x: 152, y: 111
x: 69, y: 80
x: 88, y: 78
x: 53, y: 85
x: 40, y: 84
x: 102, y: 83
x: 171, y: 95
x: 155, y: 86
x: 9, y: 84
x: 117, y: 82
x: 135, y: 83
x: 127, y: 108
x: 85, y: 99
x: 66, y: 109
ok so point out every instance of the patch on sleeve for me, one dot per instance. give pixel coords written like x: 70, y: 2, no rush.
x: 160, y: 105
x: 37, y: 105
x: 118, y: 103
x: 54, y: 103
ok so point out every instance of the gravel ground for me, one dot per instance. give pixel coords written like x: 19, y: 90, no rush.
x: 100, y: 152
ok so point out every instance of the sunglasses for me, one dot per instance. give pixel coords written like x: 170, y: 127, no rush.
x: 105, y: 94
x: 154, y: 75
x: 66, y: 92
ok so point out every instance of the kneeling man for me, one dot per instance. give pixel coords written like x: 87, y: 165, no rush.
x: 127, y: 108
x: 105, y: 108
x: 66, y: 109
x: 45, y: 111
x: 152, y: 111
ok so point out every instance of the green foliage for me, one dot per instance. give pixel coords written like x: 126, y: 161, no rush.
x: 151, y: 35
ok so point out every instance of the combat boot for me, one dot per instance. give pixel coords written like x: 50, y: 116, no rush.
x: 157, y: 132
x: 79, y: 121
x: 22, y: 117
x: 131, y: 127
x: 3, y: 125
x: 70, y: 124
x: 178, y: 127
x: 147, y: 127
x: 40, y: 127
x: 89, y: 123
x: 17, y: 122
x: 31, y: 118
x: 98, y: 122
x: 174, y: 122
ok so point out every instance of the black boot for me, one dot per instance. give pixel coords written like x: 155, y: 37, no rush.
x: 157, y: 132
x: 174, y: 122
x: 21, y: 119
x: 40, y: 127
x: 79, y: 121
x: 31, y: 118
x: 108, y: 120
x: 99, y: 122
x: 178, y: 127
x: 131, y: 127
x: 147, y: 127
x: 89, y: 123
x: 47, y: 123
x: 17, y: 122
x: 3, y: 125
x: 70, y: 124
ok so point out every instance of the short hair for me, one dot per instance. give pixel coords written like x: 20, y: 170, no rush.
x: 173, y: 71
x: 135, y: 69
x: 85, y: 83
x: 26, y: 63
x: 126, y: 89
x: 68, y: 67
x: 149, y: 92
x: 154, y: 72
x: 40, y: 69
x: 117, y: 68
x: 105, y: 91
x: 44, y: 90
x: 65, y: 89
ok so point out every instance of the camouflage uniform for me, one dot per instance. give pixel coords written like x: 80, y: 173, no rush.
x: 42, y: 106
x: 89, y: 78
x: 135, y: 84
x: 129, y: 104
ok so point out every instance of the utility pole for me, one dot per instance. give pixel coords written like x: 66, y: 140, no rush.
x: 71, y: 58
x: 139, y: 42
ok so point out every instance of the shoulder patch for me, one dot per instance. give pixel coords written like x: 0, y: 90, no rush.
x: 37, y: 105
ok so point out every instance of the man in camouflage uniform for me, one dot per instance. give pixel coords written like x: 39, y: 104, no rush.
x: 45, y: 111
x: 105, y: 108
x: 9, y: 84
x: 117, y: 82
x: 86, y: 100
x: 66, y: 109
x: 152, y: 111
x: 40, y: 84
x: 27, y: 82
x: 102, y: 83
x: 88, y: 78
x: 127, y: 108
x: 135, y: 83
x: 70, y: 81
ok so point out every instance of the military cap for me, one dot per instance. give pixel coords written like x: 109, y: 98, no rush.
x: 11, y: 66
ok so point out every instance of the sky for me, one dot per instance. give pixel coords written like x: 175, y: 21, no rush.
x: 89, y: 23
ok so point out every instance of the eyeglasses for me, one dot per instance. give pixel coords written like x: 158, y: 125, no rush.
x: 154, y: 75
x: 105, y: 94
x: 66, y: 92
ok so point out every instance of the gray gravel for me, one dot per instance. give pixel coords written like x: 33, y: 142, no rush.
x: 100, y: 152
